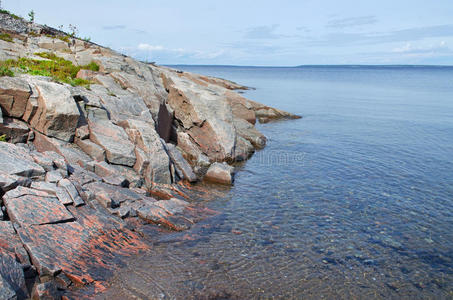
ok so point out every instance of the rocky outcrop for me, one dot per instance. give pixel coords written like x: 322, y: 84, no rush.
x: 85, y: 166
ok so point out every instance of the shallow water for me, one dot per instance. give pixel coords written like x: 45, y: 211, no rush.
x: 355, y: 200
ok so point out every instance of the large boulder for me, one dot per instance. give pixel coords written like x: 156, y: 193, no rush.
x: 57, y: 115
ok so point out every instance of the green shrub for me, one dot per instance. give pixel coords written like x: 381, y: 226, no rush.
x: 3, y: 138
x: 6, y: 37
x: 91, y: 66
x: 4, y: 71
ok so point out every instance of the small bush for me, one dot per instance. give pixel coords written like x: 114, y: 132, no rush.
x: 3, y: 138
x: 6, y: 37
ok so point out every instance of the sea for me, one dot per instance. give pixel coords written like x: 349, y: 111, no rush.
x: 353, y: 201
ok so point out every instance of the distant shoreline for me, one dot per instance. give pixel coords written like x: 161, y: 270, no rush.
x: 316, y: 66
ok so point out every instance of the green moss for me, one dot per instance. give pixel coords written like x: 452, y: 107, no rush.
x: 6, y: 37
x: 3, y: 138
x: 4, y: 71
x: 59, y: 69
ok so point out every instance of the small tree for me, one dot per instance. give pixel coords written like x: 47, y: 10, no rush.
x: 73, y: 30
x: 31, y: 15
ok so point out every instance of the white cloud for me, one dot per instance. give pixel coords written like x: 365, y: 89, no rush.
x: 148, y: 47
x: 429, y: 50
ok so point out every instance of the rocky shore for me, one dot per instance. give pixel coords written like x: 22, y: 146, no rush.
x: 84, y: 163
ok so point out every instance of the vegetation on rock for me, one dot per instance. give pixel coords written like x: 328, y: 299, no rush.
x: 6, y: 37
x: 58, y: 68
x: 3, y: 11
x: 3, y: 138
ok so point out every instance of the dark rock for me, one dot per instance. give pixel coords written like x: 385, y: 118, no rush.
x: 12, y: 280
x: 30, y: 209
x: 16, y: 131
x: 46, y: 291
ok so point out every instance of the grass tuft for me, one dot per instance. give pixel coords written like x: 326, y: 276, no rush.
x: 58, y: 68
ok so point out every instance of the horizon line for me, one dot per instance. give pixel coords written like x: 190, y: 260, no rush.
x: 309, y: 65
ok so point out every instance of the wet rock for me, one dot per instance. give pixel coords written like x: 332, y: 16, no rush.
x: 46, y: 291
x: 12, y: 280
x: 14, y: 94
x: 220, y: 173
x: 172, y: 206
x: 16, y: 131
x: 181, y: 164
x: 29, y: 209
x: 17, y: 161
x: 87, y: 250
x: 114, y: 140
x: 57, y: 115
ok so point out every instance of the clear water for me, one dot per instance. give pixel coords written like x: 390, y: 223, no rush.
x: 355, y: 200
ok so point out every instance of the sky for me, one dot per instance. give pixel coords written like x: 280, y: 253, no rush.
x: 259, y: 33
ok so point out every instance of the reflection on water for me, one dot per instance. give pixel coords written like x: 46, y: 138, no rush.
x: 353, y: 201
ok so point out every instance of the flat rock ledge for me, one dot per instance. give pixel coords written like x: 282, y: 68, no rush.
x: 84, y: 169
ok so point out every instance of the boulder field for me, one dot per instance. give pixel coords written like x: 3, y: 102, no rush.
x: 81, y: 164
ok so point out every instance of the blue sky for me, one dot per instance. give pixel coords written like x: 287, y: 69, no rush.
x: 278, y: 33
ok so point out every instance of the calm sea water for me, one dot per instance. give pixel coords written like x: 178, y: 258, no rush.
x: 355, y: 200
